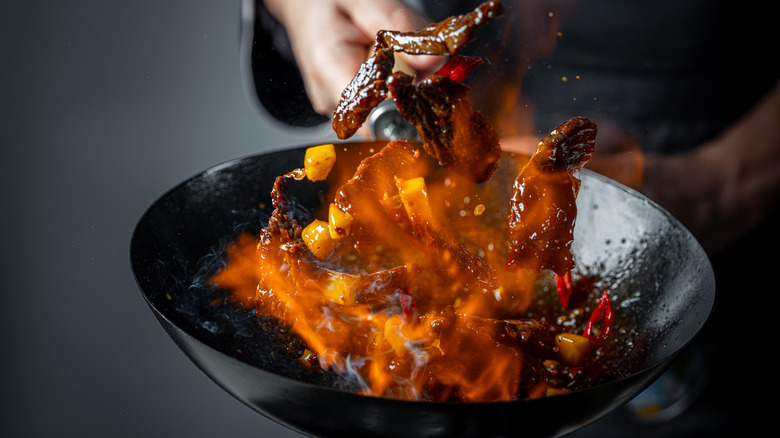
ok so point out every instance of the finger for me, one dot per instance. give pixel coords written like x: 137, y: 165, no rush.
x: 422, y: 65
x: 328, y: 60
x: 324, y: 86
x: 332, y: 81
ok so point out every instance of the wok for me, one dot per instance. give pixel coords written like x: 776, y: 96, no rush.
x: 662, y: 275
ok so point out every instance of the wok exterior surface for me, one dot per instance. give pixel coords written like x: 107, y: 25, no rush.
x: 653, y: 263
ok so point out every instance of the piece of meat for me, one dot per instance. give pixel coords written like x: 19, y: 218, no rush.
x: 506, y: 348
x: 543, y: 206
x: 295, y: 289
x: 365, y: 91
x: 381, y: 223
x: 459, y: 137
x: 446, y: 37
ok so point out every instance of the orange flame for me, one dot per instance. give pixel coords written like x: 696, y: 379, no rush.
x: 414, y: 303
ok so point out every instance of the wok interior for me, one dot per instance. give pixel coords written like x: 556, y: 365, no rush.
x: 661, y: 274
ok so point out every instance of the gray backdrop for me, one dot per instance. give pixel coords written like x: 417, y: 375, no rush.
x: 105, y: 106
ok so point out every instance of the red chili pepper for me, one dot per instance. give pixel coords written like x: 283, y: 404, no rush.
x: 458, y: 67
x: 564, y: 288
x: 408, y: 305
x: 602, y: 310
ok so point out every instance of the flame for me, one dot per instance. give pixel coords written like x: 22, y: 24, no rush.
x: 414, y: 302
x: 240, y: 275
x: 403, y: 304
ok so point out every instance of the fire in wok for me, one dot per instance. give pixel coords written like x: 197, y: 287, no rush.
x: 661, y: 282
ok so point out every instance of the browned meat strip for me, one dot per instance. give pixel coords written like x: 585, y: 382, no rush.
x: 543, y: 207
x: 459, y: 137
x: 443, y: 38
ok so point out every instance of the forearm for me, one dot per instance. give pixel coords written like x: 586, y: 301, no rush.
x: 727, y: 186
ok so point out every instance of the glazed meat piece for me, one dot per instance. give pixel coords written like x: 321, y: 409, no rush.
x: 294, y: 289
x: 460, y: 138
x: 451, y: 131
x: 383, y: 223
x: 443, y: 38
x: 364, y: 93
x: 543, y: 206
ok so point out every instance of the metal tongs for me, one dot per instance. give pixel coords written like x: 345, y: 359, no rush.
x: 386, y: 123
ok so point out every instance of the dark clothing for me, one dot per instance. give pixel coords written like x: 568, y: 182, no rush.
x: 277, y: 82
x: 671, y: 73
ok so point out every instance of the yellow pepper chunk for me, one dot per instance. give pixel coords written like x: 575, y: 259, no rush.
x: 394, y: 336
x: 318, y: 161
x: 556, y: 391
x: 338, y: 222
x: 573, y: 349
x: 339, y: 289
x: 317, y: 237
x: 414, y: 195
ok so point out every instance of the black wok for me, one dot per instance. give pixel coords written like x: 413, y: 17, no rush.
x: 658, y: 269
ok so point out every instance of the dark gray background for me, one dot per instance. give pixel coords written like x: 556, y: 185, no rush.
x: 105, y: 106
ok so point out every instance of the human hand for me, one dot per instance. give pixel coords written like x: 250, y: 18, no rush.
x: 726, y: 187
x: 331, y: 38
